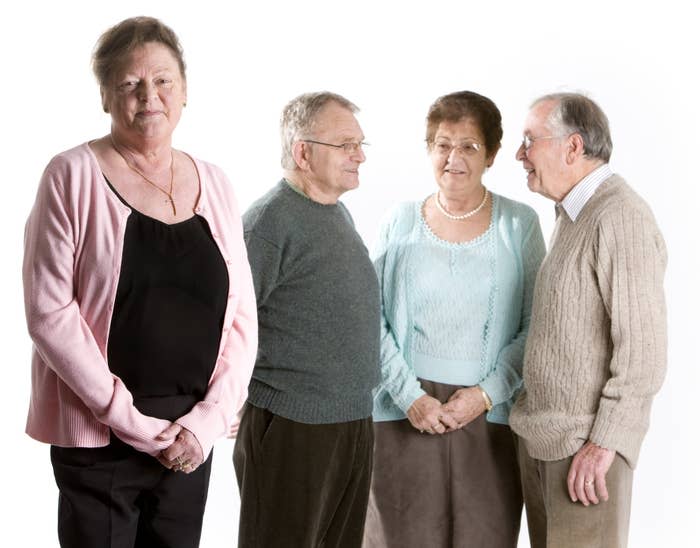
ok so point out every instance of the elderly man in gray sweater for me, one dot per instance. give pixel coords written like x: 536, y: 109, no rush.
x: 596, y: 349
x: 303, y: 456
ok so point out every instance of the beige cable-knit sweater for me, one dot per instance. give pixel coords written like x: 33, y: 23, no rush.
x: 596, y: 351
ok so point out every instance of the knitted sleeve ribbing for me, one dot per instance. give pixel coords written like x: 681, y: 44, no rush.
x: 630, y: 265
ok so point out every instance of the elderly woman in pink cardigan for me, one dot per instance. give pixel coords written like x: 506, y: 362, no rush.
x: 141, y: 308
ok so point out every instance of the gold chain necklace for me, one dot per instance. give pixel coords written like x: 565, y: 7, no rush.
x: 168, y: 193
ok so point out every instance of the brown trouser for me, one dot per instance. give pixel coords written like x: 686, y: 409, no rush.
x: 456, y: 490
x: 554, y: 521
x: 302, y: 485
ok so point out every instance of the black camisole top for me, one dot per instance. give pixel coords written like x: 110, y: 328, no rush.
x: 168, y: 313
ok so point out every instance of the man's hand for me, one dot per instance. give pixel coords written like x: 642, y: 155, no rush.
x: 586, y: 479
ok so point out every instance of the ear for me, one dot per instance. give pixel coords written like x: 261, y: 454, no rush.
x: 490, y: 159
x: 103, y: 97
x: 301, y: 152
x: 575, y: 148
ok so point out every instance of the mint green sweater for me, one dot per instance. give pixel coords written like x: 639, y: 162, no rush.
x: 456, y: 313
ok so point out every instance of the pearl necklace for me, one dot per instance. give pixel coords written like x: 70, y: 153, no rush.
x: 463, y: 216
x: 169, y: 192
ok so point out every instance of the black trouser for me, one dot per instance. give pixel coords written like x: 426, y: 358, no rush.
x: 117, y: 497
x: 302, y: 485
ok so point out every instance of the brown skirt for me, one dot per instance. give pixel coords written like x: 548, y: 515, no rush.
x: 460, y: 489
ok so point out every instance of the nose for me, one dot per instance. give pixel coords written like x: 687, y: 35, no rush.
x: 359, y: 155
x: 453, y: 154
x: 520, y: 153
x: 146, y: 90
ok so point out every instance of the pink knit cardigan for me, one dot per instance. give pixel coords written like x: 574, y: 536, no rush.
x: 73, y: 253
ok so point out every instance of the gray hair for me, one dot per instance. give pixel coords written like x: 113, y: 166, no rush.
x: 299, y: 117
x: 576, y: 113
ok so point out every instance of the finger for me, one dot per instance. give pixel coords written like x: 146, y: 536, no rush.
x: 170, y: 432
x: 165, y: 462
x: 581, y: 490
x: 589, y: 487
x: 175, y: 450
x: 449, y: 421
x: 601, y: 487
x: 570, y: 484
x: 438, y: 427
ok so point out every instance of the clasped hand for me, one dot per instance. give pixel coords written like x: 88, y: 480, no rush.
x: 184, y: 454
x: 428, y: 414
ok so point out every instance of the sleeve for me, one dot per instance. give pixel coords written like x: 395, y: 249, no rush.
x: 61, y: 337
x: 215, y: 415
x: 630, y: 267
x: 265, y: 263
x: 506, y: 377
x: 397, y: 377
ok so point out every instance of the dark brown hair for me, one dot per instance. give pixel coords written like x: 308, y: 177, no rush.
x: 117, y: 42
x: 467, y: 104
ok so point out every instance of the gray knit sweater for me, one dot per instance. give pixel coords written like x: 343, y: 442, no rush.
x: 318, y: 310
x: 596, y: 351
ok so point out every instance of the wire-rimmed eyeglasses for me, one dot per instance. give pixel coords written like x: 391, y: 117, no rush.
x: 348, y: 148
x: 443, y: 147
x: 529, y: 141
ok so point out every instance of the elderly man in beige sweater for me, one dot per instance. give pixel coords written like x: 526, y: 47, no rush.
x: 596, y: 349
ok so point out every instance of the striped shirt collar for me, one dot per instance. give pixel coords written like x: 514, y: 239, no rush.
x: 578, y: 196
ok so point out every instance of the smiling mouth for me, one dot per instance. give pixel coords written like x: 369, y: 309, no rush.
x: 454, y: 171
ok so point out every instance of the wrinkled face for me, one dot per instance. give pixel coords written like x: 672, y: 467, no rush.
x: 459, y: 156
x: 334, y: 170
x: 545, y: 159
x: 146, y: 94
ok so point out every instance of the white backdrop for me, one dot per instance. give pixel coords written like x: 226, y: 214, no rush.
x: 637, y: 59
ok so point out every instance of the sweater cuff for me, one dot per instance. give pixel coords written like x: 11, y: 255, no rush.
x: 206, y: 423
x: 497, y: 390
x: 405, y: 400
x: 625, y: 440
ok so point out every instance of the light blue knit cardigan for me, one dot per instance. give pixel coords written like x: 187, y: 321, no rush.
x: 515, y: 241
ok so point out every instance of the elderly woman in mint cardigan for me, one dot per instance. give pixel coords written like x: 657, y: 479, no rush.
x: 456, y: 271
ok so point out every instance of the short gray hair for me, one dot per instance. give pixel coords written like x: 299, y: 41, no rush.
x: 299, y: 116
x: 576, y: 113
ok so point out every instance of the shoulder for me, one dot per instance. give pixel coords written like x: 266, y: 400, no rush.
x: 517, y: 214
x: 72, y: 160
x: 270, y: 214
x: 621, y: 217
x: 401, y: 217
x: 70, y: 174
x: 212, y: 176
x: 616, y: 201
